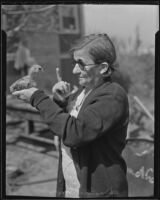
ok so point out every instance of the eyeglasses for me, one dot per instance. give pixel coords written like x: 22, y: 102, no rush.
x: 81, y: 64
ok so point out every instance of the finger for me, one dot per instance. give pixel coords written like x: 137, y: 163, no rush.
x: 65, y: 86
x: 18, y: 92
x: 17, y: 95
x: 68, y: 87
x: 60, y: 89
x: 61, y: 85
x: 59, y: 78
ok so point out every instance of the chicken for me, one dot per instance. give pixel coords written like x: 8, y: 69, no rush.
x: 27, y: 81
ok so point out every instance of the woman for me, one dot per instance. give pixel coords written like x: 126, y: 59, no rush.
x: 92, y: 123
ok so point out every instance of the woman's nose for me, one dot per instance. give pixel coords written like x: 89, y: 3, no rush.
x: 76, y: 69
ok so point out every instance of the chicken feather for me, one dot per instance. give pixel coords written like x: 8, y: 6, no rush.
x: 27, y: 81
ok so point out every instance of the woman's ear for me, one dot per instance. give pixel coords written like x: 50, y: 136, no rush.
x: 104, y: 68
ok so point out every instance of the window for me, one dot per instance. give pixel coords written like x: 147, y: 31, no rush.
x: 69, y: 19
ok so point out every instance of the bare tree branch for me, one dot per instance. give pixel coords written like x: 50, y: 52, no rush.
x: 26, y: 11
x: 17, y: 28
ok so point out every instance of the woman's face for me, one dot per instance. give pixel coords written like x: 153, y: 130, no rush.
x: 88, y: 72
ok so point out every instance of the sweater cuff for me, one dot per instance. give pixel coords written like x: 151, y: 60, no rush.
x: 37, y: 97
x: 62, y: 104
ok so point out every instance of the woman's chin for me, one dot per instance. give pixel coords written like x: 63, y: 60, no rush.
x: 82, y: 82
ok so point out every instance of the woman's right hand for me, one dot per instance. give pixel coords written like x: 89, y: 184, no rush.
x: 61, y: 90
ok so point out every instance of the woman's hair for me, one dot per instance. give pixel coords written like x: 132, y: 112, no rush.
x: 100, y: 48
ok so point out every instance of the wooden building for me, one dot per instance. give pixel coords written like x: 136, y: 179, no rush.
x: 49, y: 36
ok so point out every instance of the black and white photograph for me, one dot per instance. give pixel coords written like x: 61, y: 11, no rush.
x: 80, y: 100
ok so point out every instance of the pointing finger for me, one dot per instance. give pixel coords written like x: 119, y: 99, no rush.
x: 59, y: 78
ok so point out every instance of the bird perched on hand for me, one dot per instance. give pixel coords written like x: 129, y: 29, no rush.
x: 27, y: 81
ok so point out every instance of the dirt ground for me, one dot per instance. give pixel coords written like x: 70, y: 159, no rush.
x: 31, y: 167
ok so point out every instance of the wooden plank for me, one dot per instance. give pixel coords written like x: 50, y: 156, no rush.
x: 37, y: 138
x: 30, y: 115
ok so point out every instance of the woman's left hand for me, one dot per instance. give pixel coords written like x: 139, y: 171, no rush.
x: 25, y: 94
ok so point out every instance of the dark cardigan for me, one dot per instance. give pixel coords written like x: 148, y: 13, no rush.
x: 96, y: 138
